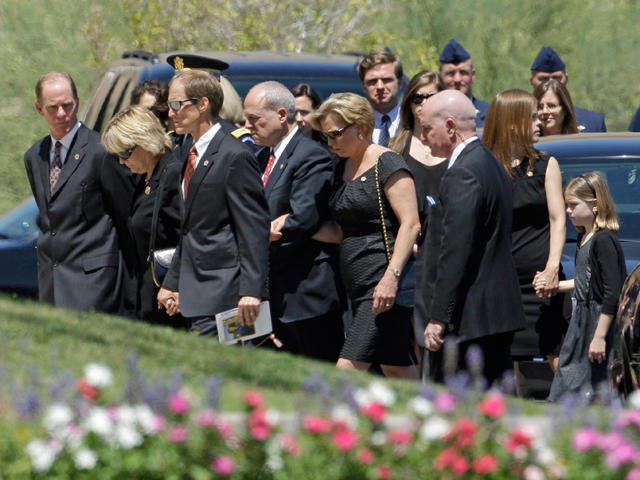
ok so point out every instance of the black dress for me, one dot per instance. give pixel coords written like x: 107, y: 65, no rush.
x: 545, y: 322
x: 167, y: 235
x: 384, y: 338
x: 427, y: 179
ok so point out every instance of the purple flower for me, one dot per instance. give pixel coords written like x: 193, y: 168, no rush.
x: 212, y: 386
x: 475, y: 359
x: 29, y: 405
x: 444, y: 402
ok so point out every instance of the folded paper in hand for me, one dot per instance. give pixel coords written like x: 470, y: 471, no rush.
x: 230, y: 330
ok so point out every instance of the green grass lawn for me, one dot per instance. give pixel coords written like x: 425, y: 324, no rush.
x: 47, y: 340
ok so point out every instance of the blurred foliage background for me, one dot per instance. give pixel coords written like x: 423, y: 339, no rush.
x: 597, y: 39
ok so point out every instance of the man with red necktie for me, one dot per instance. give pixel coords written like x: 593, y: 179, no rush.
x: 221, y: 261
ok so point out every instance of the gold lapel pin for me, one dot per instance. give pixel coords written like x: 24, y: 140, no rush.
x: 363, y: 179
x: 281, y: 166
x: 206, y: 162
x: 76, y: 156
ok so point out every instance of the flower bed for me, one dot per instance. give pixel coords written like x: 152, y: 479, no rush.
x: 165, y: 432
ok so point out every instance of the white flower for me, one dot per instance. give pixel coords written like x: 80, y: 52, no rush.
x: 128, y: 437
x: 533, y: 472
x: 145, y: 418
x: 342, y: 413
x: 546, y: 456
x: 42, y: 455
x: 275, y: 463
x: 98, y: 422
x: 272, y: 417
x: 98, y: 375
x: 57, y: 416
x: 634, y: 400
x: 434, y: 428
x: 126, y: 415
x: 381, y: 393
x: 362, y: 397
x: 85, y: 459
x: 378, y: 438
x: 421, y: 406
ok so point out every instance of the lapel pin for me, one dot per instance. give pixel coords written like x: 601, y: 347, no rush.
x: 363, y: 179
x: 76, y: 156
x: 206, y: 162
x: 281, y: 166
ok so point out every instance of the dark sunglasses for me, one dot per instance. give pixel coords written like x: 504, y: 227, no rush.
x: 418, y: 98
x: 127, y: 153
x: 337, y: 133
x: 176, y: 105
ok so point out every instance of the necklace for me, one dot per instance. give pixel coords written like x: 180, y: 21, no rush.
x: 147, y: 187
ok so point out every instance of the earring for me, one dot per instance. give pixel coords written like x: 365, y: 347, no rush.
x: 360, y: 136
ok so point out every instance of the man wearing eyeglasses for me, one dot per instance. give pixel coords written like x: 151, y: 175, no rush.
x: 548, y: 65
x: 457, y: 72
x: 381, y: 77
x: 85, y: 251
x: 222, y: 257
x: 305, y: 291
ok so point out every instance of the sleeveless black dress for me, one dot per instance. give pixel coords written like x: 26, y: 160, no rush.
x: 545, y: 323
x: 384, y: 338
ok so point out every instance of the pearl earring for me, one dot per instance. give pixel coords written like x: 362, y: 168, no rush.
x: 360, y: 136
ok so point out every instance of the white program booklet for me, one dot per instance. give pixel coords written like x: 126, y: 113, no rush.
x: 230, y: 330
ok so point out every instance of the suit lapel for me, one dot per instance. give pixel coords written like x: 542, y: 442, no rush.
x: 77, y: 151
x: 282, y: 163
x: 205, y: 163
x: 43, y: 165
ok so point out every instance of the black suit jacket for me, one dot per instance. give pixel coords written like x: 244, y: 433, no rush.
x: 223, y: 252
x: 303, y: 276
x: 470, y: 277
x: 84, y: 240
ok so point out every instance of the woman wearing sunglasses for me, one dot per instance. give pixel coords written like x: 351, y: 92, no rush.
x: 136, y: 136
x: 371, y: 182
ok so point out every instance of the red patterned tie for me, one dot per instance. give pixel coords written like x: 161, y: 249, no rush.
x: 191, y: 167
x: 56, y: 167
x: 267, y: 171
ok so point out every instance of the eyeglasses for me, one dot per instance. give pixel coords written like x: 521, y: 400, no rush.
x: 551, y: 107
x: 127, y: 153
x: 337, y: 133
x: 176, y: 105
x: 418, y: 98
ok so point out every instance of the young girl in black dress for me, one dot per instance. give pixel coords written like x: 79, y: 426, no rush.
x: 600, y: 273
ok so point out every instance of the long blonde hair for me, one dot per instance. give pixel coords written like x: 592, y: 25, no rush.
x: 589, y: 187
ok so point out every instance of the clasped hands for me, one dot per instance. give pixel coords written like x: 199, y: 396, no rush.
x: 545, y: 283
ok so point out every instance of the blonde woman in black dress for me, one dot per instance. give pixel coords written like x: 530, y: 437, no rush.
x: 381, y: 330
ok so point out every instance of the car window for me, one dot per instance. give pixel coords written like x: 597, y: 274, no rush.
x: 21, y: 222
x: 623, y: 177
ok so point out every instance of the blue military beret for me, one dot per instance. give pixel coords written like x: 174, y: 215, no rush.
x: 548, y: 61
x: 453, y: 52
x: 187, y: 61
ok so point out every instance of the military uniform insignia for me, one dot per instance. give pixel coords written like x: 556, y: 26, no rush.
x: 178, y: 64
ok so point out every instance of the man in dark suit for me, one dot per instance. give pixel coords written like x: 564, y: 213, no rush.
x: 83, y: 196
x: 305, y: 290
x: 471, y: 287
x: 222, y: 259
x: 548, y: 65
x: 457, y: 73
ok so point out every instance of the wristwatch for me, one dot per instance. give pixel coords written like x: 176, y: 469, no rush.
x: 395, y: 271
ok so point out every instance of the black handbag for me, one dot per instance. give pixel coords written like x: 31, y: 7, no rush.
x: 159, y: 260
x: 405, y: 295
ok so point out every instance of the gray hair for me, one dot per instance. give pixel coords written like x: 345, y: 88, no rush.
x: 277, y: 96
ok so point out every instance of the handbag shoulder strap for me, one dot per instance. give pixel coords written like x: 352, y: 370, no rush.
x: 156, y: 212
x: 384, y: 226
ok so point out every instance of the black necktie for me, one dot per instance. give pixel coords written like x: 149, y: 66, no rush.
x: 384, y: 131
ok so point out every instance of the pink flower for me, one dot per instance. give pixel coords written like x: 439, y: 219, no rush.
x: 459, y: 465
x: 375, y: 411
x: 624, y: 453
x: 158, y: 424
x: 493, y: 405
x: 634, y: 474
x: 485, y: 464
x: 584, y: 439
x: 225, y: 429
x: 384, y: 472
x: 517, y: 439
x: 178, y: 404
x: 290, y: 444
x: 86, y: 390
x: 316, y: 424
x: 223, y: 465
x: 178, y: 434
x: 365, y: 456
x: 253, y: 398
x: 444, y: 402
x: 402, y: 437
x: 345, y: 439
x: 445, y: 458
x: 206, y: 418
x: 260, y: 431
x: 464, y: 431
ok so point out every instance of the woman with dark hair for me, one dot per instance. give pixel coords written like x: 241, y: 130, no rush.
x: 136, y: 136
x: 510, y: 130
x: 555, y: 109
x: 153, y: 95
x: 376, y: 224
x: 307, y: 101
x: 427, y: 170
